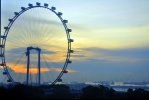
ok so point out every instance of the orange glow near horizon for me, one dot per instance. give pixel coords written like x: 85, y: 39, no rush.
x: 22, y: 69
x: 1, y: 67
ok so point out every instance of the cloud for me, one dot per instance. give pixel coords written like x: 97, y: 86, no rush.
x: 59, y: 70
x: 21, y: 68
x: 52, y: 55
x: 1, y: 67
x: 20, y: 50
x: 81, y: 55
x: 130, y: 55
x: 78, y: 55
x: 41, y: 20
x: 59, y: 57
x: 126, y: 52
x: 97, y: 60
x: 16, y: 50
x: 47, y: 52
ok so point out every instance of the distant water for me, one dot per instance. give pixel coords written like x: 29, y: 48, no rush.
x: 125, y: 88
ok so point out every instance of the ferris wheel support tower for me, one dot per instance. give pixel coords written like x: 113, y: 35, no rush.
x: 28, y: 63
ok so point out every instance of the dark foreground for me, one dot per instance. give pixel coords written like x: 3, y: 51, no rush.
x: 63, y: 92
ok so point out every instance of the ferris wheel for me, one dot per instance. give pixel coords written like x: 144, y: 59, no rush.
x: 36, y: 46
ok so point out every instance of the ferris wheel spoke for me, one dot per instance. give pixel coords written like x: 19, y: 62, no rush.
x: 47, y: 66
x: 15, y: 41
x: 25, y: 33
x: 4, y: 79
x: 56, y: 67
x: 15, y: 37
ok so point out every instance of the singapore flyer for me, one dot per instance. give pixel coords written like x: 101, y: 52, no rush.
x: 36, y: 46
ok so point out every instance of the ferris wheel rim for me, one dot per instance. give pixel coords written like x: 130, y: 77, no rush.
x: 11, y: 22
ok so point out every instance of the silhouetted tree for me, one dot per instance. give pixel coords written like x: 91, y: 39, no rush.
x: 141, y: 93
x: 3, y: 92
x: 61, y: 92
x: 20, y: 91
x: 90, y: 92
x: 27, y: 92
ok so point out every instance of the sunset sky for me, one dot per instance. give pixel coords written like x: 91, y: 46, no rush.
x: 111, y: 37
